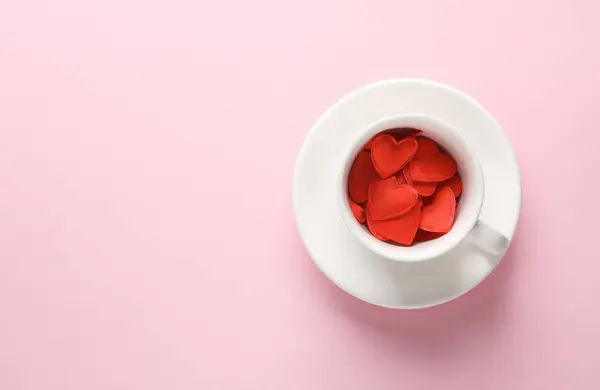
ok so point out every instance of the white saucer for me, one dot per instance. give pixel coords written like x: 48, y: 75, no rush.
x: 342, y: 258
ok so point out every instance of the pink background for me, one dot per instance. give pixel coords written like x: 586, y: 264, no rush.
x: 146, y: 230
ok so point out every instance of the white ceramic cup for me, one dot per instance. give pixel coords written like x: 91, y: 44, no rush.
x: 466, y: 223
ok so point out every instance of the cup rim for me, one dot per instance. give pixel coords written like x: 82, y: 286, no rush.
x: 422, y: 251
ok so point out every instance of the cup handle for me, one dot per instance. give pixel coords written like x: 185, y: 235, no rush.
x: 488, y: 239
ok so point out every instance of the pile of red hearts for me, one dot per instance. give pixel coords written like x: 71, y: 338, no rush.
x: 405, y: 188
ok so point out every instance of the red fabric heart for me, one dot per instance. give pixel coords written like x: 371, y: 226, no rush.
x: 373, y: 228
x: 357, y: 211
x: 401, y: 230
x: 455, y: 183
x: 389, y: 155
x: 387, y: 199
x: 439, y: 168
x: 427, y: 148
x: 362, y: 174
x: 438, y: 217
x: 424, y: 189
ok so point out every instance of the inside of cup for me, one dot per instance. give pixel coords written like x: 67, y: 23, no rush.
x: 470, y: 200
